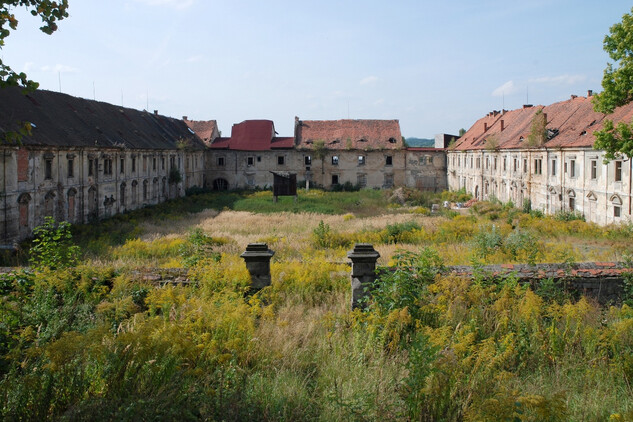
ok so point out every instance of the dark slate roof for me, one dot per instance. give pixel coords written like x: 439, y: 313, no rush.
x: 63, y: 120
x: 571, y: 124
x: 253, y: 135
x: 349, y: 134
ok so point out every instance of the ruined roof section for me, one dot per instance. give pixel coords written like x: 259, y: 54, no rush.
x: 349, y: 134
x: 253, y: 135
x: 207, y: 130
x: 570, y: 123
x: 63, y: 120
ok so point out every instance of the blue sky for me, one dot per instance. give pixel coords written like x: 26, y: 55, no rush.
x: 435, y: 66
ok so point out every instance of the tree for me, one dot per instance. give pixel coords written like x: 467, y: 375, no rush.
x: 538, y: 130
x: 617, y: 84
x: 49, y: 11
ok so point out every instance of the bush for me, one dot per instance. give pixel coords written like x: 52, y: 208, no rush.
x: 52, y: 246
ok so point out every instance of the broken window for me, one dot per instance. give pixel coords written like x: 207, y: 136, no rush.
x: 618, y: 171
x: 388, y: 160
x: 307, y: 160
x: 281, y: 160
x: 361, y: 180
x: 361, y: 160
x: 71, y: 167
x: 335, y: 161
x: 48, y: 168
x: 335, y: 179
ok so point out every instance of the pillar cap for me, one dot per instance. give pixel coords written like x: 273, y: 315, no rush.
x: 257, y: 250
x: 363, y: 250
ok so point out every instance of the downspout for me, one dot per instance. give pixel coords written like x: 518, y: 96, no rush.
x: 630, y: 171
x: 4, y: 191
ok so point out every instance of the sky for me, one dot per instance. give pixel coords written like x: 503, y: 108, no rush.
x: 436, y: 66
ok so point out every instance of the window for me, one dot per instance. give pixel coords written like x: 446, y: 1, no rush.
x: 388, y: 180
x: 505, y: 162
x: 572, y: 168
x: 487, y: 163
x: 525, y: 166
x: 554, y: 167
x: 144, y: 163
x: 335, y: 160
x: 471, y: 162
x: 572, y: 203
x: 361, y: 160
x: 91, y: 164
x: 361, y: 180
x: 162, y: 162
x: 307, y: 160
x: 259, y: 158
x: 594, y: 169
x: 144, y: 189
x: 71, y: 167
x: 478, y: 162
x: 515, y: 164
x: 388, y: 160
x: 495, y: 163
x: 221, y: 162
x: 281, y: 160
x: 617, y: 211
x: 48, y: 168
x: 122, y: 194
x: 250, y: 161
x: 133, y: 164
x: 538, y: 166
x: 122, y: 166
x: 154, y: 163
x: 618, y: 171
x: 335, y: 179
x: 107, y: 166
x: 172, y: 162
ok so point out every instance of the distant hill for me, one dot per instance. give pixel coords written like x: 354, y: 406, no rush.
x: 420, y: 142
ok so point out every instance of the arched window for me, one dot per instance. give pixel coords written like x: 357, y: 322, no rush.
x: 122, y: 194
x: 23, y: 204
x: 49, y: 204
x: 72, y: 193
x: 616, y: 202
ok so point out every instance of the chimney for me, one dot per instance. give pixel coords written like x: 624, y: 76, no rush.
x: 184, y: 118
x: 589, y: 93
x: 156, y: 112
x: 485, y: 126
x: 502, y: 125
x: 573, y: 96
x: 545, y: 115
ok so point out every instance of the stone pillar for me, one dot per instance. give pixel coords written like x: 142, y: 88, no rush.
x: 363, y: 258
x: 257, y: 257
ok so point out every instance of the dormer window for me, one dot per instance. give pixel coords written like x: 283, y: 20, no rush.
x: 392, y: 141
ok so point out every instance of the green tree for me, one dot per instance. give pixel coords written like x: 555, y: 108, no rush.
x: 49, y: 11
x: 538, y: 130
x: 617, y: 84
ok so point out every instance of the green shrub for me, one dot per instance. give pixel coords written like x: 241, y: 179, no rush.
x: 52, y: 246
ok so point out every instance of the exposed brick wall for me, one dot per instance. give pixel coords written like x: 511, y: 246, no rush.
x: 23, y: 165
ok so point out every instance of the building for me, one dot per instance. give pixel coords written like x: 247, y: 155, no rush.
x: 544, y: 155
x: 82, y: 160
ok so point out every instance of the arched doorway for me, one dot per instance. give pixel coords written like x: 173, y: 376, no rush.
x: 220, y: 184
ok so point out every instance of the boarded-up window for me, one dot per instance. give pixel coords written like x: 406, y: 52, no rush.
x: 23, y: 165
x: 23, y: 203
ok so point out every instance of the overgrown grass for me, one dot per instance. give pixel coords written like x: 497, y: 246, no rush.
x: 97, y: 341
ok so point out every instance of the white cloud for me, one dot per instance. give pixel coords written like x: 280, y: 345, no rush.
x: 369, y: 80
x: 176, y: 4
x: 505, y: 89
x: 195, y: 59
x: 59, y: 68
x: 559, y: 80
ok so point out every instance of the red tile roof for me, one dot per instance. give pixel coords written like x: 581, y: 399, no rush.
x: 253, y: 135
x: 207, y: 130
x: 573, y: 119
x: 349, y: 134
